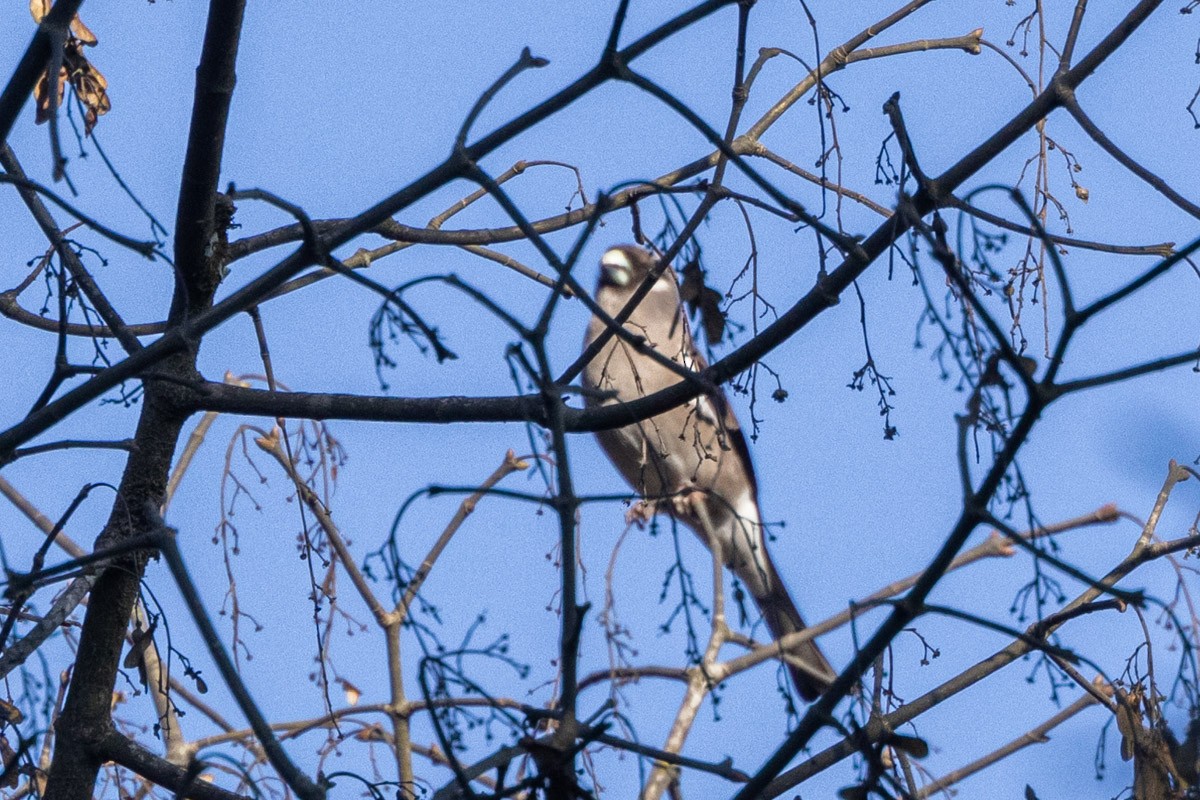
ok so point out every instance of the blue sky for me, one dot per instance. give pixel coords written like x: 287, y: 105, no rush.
x: 336, y: 108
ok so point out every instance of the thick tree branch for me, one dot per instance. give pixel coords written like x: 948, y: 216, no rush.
x: 197, y: 262
x: 184, y: 782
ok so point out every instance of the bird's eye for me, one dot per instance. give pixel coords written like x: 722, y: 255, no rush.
x: 615, y: 269
x: 617, y: 276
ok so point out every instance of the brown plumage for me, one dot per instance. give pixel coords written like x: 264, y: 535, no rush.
x: 697, y: 445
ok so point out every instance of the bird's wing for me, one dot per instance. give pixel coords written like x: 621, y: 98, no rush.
x: 715, y: 405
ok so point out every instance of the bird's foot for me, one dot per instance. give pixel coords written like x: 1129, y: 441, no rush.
x: 686, y: 499
x: 641, y: 512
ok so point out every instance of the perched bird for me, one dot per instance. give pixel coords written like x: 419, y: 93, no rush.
x: 694, y: 454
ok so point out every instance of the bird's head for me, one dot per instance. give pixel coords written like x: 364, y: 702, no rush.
x: 624, y: 268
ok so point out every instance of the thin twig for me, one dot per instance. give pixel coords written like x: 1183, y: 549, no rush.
x: 1036, y: 735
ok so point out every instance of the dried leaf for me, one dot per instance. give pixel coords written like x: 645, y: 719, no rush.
x: 194, y: 674
x: 704, y: 301
x: 141, y: 640
x: 1129, y: 720
x: 41, y: 95
x: 10, y: 713
x: 8, y: 758
x: 82, y: 32
x: 90, y: 85
x: 38, y: 9
x: 912, y: 745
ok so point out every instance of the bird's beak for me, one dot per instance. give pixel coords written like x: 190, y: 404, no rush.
x: 615, y: 269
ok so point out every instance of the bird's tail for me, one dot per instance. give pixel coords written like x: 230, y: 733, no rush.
x: 782, y: 618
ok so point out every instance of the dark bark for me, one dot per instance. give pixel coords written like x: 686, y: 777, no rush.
x: 197, y: 262
x: 85, y: 719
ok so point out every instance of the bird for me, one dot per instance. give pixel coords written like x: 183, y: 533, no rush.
x: 692, y: 460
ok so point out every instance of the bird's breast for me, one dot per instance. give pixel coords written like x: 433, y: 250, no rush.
x: 681, y: 447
